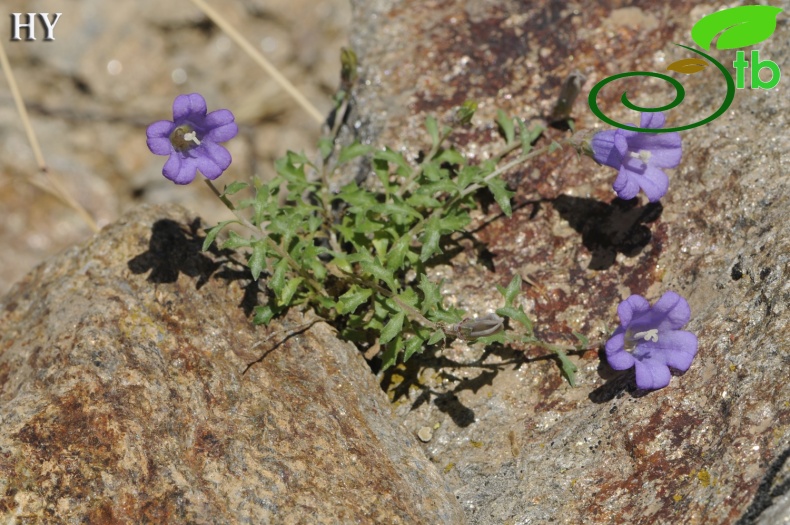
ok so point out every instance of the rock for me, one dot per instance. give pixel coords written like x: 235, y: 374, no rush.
x: 126, y: 397
x: 514, y: 440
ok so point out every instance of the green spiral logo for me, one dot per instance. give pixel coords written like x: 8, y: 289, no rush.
x: 680, y: 94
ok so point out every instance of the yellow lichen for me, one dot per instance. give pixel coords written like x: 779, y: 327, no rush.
x: 449, y: 467
x: 704, y: 477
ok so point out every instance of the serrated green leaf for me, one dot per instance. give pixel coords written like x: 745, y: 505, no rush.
x: 454, y: 222
x: 511, y: 292
x: 505, y: 126
x: 567, y: 367
x: 501, y: 194
x: 518, y: 315
x: 394, y: 157
x: 433, y: 130
x: 235, y: 241
x: 393, y: 327
x: 277, y: 281
x: 350, y: 301
x: 430, y: 239
x: 325, y: 147
x: 397, y: 253
x: 374, y: 268
x: 412, y: 346
x: 390, y: 355
x: 234, y: 187
x: 432, y: 295
x: 436, y: 337
x: 523, y: 134
x: 289, y: 290
x: 450, y: 156
x: 392, y: 208
x: 419, y: 200
x: 263, y: 315
x: 257, y: 260
x: 498, y: 337
x: 211, y: 234
x: 353, y: 151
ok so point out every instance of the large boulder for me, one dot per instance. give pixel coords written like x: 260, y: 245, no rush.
x: 134, y: 389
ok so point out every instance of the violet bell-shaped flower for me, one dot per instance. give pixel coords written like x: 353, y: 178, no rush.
x: 650, y: 340
x: 192, y: 140
x: 640, y: 157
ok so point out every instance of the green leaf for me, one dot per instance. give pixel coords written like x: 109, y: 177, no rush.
x: 433, y: 130
x: 325, y: 147
x: 436, y: 337
x: 518, y: 315
x: 505, y: 126
x: 394, y: 157
x: 740, y: 27
x: 390, y: 354
x: 454, y: 222
x: 511, y: 292
x: 235, y: 241
x: 567, y: 367
x: 450, y: 156
x: 393, y: 327
x: 277, y: 281
x: 501, y: 194
x: 289, y: 290
x: 465, y: 112
x: 420, y: 200
x: 374, y: 268
x: 583, y: 341
x: 432, y: 295
x: 498, y: 337
x: 353, y: 151
x: 263, y: 315
x: 257, y: 260
x: 234, y: 187
x: 350, y: 301
x: 398, y: 252
x: 413, y: 345
x: 554, y: 146
x: 212, y: 233
x: 430, y: 239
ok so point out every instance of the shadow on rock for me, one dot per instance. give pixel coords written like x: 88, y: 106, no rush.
x: 174, y: 249
x: 609, y: 229
x: 401, y: 380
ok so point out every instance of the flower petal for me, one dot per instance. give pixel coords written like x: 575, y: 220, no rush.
x: 651, y: 375
x: 179, y: 169
x: 160, y: 146
x: 221, y: 127
x: 634, y: 306
x: 604, y: 149
x: 674, y: 310
x: 212, y: 159
x: 680, y: 347
x: 652, y: 120
x: 616, y: 355
x: 665, y: 148
x: 160, y: 129
x: 653, y: 182
x: 625, y: 185
x: 192, y: 106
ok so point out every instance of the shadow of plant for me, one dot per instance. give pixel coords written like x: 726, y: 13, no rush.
x: 609, y: 229
x: 175, y: 249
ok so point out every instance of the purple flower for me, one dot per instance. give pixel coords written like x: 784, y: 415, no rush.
x: 191, y: 139
x: 639, y: 157
x: 650, y: 339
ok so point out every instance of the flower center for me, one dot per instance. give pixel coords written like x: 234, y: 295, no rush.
x: 184, y: 138
x: 643, y: 155
x: 631, y: 340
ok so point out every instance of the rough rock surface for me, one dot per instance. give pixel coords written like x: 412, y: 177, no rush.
x: 514, y: 440
x: 124, y: 398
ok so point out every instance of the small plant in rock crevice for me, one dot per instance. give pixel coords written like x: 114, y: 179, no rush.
x: 358, y: 256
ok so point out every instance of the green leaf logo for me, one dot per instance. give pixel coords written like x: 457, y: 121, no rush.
x: 740, y: 26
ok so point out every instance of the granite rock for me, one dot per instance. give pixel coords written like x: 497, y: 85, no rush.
x: 514, y: 440
x: 134, y: 389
